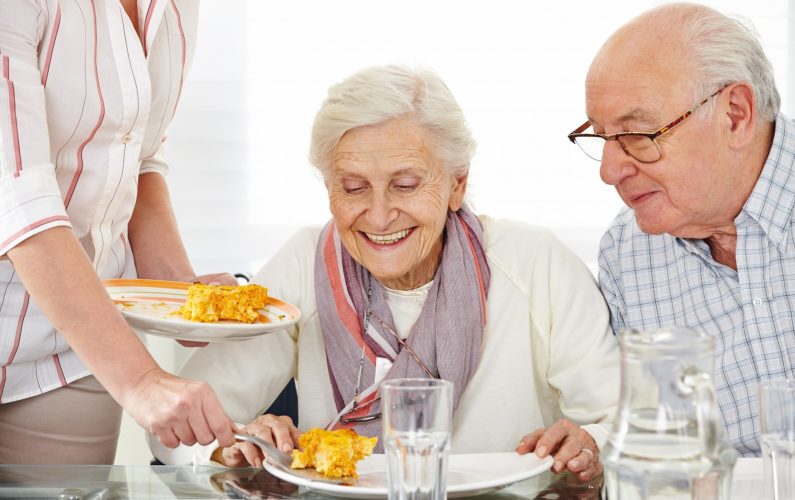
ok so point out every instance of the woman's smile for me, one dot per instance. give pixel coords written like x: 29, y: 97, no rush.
x: 387, y: 239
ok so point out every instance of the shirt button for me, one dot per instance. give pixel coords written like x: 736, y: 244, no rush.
x: 126, y: 138
x: 757, y: 301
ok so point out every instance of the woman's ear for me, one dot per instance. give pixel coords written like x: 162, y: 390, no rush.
x: 458, y: 191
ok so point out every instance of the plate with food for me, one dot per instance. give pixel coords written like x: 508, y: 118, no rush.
x: 199, y: 312
x: 347, y: 469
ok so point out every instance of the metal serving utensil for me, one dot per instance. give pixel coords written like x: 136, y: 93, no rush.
x: 282, y: 461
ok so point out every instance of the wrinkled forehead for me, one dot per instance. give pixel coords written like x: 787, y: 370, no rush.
x: 383, y: 149
x: 633, y: 79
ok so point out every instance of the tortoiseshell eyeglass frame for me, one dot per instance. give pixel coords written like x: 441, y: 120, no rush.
x: 649, y: 135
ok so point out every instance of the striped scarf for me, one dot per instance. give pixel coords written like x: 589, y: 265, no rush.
x: 446, y: 336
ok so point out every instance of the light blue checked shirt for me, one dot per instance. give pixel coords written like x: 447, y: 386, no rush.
x: 653, y: 281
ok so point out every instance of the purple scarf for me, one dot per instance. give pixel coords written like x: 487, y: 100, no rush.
x: 446, y: 336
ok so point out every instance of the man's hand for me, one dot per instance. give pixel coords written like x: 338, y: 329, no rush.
x: 572, y: 447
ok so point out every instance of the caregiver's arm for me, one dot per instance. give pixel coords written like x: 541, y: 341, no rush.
x: 65, y: 286
x: 154, y: 237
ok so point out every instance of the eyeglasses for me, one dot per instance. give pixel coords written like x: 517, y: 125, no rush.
x: 642, y: 146
x: 345, y: 418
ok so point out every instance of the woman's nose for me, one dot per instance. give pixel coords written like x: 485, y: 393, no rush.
x: 382, y: 211
x: 616, y: 164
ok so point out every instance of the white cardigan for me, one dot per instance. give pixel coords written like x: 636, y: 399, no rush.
x: 548, y: 351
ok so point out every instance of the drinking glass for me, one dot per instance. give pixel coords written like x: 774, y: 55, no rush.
x: 417, y: 417
x: 777, y: 420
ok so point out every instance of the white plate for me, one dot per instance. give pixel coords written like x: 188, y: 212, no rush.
x: 467, y: 475
x: 150, y: 306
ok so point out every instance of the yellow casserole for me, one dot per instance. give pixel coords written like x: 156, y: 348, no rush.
x: 332, y: 453
x: 212, y: 303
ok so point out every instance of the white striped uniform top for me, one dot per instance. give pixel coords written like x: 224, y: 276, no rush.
x: 84, y: 108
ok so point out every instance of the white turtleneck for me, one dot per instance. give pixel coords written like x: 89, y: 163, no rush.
x: 405, y: 306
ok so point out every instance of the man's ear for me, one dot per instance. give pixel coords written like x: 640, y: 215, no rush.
x: 458, y: 191
x: 741, y: 113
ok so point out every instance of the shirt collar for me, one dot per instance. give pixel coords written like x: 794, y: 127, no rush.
x: 772, y: 201
x: 150, y: 13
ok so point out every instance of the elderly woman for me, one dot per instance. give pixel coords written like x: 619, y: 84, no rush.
x: 405, y: 281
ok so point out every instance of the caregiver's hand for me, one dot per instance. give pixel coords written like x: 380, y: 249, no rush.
x: 571, y: 446
x: 215, y: 279
x: 177, y: 410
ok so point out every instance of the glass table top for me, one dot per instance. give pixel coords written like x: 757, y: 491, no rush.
x: 98, y: 482
x: 75, y: 482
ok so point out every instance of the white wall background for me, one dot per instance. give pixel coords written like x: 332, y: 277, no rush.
x: 240, y: 180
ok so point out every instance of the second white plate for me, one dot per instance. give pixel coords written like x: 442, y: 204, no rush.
x: 150, y: 306
x: 467, y: 475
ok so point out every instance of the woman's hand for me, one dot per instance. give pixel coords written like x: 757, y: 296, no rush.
x: 215, y: 279
x: 177, y: 410
x: 271, y: 428
x: 571, y: 446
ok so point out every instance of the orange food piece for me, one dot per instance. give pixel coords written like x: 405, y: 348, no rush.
x: 212, y: 303
x: 332, y: 453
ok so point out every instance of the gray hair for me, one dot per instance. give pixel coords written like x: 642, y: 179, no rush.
x: 725, y: 51
x: 381, y: 93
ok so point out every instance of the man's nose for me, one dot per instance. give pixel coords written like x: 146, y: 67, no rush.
x: 616, y: 163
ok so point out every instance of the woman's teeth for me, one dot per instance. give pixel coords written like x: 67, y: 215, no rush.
x: 387, y: 239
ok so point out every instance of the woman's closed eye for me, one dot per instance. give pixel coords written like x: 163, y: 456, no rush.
x: 406, y: 185
x: 354, y: 187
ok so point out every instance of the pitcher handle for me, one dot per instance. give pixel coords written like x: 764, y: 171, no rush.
x: 700, y: 384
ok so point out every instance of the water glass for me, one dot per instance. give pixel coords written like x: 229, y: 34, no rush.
x: 777, y: 420
x: 417, y: 417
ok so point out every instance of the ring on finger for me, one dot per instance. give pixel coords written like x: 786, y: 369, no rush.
x: 593, y: 455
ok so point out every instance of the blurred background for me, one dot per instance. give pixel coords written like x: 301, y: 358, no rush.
x: 240, y: 179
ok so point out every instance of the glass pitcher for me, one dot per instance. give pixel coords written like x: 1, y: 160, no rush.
x: 667, y: 441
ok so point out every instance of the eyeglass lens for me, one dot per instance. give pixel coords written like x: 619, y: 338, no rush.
x: 640, y: 147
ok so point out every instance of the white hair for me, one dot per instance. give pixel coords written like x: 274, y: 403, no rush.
x: 381, y: 93
x: 725, y: 51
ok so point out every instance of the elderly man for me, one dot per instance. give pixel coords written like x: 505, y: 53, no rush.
x: 686, y: 125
